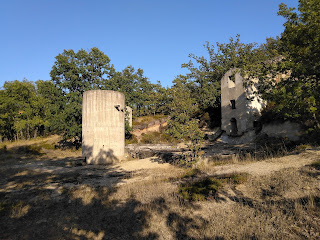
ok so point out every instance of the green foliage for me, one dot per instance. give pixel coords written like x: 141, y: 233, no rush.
x: 22, y: 111
x: 301, y: 44
x: 54, y: 102
x: 73, y: 73
x: 206, y: 73
x: 181, y: 124
x: 144, y: 97
x: 30, y: 109
x: 200, y: 190
x: 127, y: 129
x: 290, y: 78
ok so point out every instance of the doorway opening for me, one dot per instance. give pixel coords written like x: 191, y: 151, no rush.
x: 234, y: 127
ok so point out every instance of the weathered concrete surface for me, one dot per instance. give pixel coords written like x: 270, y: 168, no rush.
x: 103, y: 116
x: 241, y: 109
x: 246, y: 108
x: 128, y: 116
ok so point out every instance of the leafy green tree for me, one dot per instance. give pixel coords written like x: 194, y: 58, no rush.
x: 143, y: 96
x: 290, y: 78
x: 22, y: 112
x: 206, y: 73
x: 182, y: 125
x: 54, y: 102
x: 73, y: 73
x: 301, y: 45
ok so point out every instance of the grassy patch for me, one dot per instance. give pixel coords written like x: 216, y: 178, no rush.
x: 48, y: 146
x: 200, y: 190
x: 206, y: 187
x: 235, y: 178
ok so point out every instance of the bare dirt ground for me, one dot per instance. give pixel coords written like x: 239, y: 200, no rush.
x: 53, y: 195
x: 270, y: 165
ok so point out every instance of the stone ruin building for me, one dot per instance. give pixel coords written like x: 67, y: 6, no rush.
x: 241, y: 110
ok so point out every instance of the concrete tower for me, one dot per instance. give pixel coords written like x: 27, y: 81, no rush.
x: 103, y: 113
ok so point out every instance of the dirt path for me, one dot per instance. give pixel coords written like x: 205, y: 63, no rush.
x: 144, y: 169
x: 269, y: 166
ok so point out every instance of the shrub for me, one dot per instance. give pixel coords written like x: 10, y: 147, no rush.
x: 132, y: 140
x: 193, y: 172
x: 200, y: 190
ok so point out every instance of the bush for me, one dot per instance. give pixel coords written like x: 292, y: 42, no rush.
x: 132, y: 140
x: 200, y: 190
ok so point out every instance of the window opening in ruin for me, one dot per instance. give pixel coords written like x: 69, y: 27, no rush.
x: 233, y: 104
x: 232, y: 80
x: 234, y: 127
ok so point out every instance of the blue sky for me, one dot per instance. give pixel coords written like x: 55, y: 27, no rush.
x: 155, y: 35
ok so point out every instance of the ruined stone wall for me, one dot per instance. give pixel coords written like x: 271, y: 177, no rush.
x: 239, y: 106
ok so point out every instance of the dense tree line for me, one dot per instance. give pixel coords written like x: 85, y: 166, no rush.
x: 30, y: 109
x: 288, y: 69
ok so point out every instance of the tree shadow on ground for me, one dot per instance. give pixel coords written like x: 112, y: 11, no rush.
x: 63, y: 204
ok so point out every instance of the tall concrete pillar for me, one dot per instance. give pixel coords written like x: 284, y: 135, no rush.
x: 128, y: 116
x: 103, y: 113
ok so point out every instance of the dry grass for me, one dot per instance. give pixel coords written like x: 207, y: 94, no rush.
x: 146, y: 204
